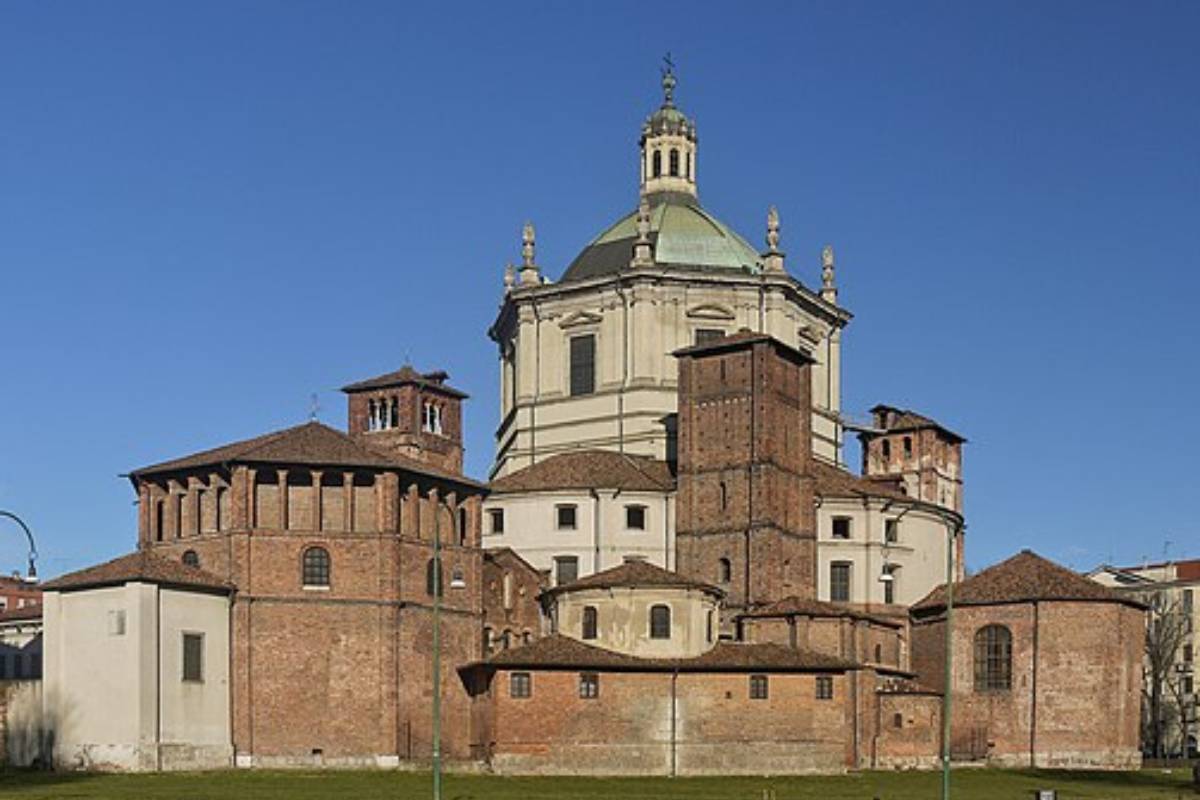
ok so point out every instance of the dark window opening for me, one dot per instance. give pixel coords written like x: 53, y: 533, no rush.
x: 758, y: 687
x: 590, y: 619
x: 635, y: 518
x: 841, y: 527
x: 660, y: 622
x: 564, y: 517
x: 190, y: 558
x: 158, y: 520
x: 908, y: 447
x: 885, y: 448
x: 898, y: 720
x: 315, y: 570
x: 673, y: 163
x: 193, y: 657
x: 724, y: 570
x: 589, y: 685
x: 583, y: 365
x: 496, y: 518
x: 824, y: 687
x: 891, y: 531
x: 656, y: 161
x: 462, y: 526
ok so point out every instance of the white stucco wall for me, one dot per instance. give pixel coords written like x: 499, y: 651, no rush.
x: 116, y: 699
x: 530, y: 528
x: 623, y: 619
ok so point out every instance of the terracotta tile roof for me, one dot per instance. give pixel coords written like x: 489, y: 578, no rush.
x: 140, y: 566
x: 1022, y: 578
x: 793, y: 605
x: 831, y: 481
x: 904, y: 419
x: 406, y: 375
x: 590, y: 469
x: 635, y: 574
x: 310, y: 444
x: 736, y: 340
x: 563, y: 652
x: 25, y: 614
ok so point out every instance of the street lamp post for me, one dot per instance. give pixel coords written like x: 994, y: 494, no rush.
x: 29, y: 536
x: 455, y: 583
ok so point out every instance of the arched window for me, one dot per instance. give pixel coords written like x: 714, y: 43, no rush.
x: 689, y: 166
x: 656, y: 169
x: 993, y: 659
x: 724, y: 570
x: 316, y: 567
x: 462, y: 525
x: 660, y: 622
x: 190, y: 558
x: 589, y: 622
x: 158, y: 520
x: 433, y: 578
x: 673, y: 163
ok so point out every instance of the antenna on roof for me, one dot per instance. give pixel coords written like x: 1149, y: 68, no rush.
x: 314, y: 407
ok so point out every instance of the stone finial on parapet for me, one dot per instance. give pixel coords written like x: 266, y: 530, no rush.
x: 643, y: 252
x: 773, y: 258
x: 828, y: 287
x: 529, y: 269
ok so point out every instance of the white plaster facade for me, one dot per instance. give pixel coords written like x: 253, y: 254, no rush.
x: 601, y: 537
x: 138, y: 713
x: 623, y: 619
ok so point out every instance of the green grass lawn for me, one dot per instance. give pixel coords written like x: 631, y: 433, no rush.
x: 970, y: 784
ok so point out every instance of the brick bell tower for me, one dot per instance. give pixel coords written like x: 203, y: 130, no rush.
x: 415, y: 415
x: 745, y: 518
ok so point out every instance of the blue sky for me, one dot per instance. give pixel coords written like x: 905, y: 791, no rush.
x: 210, y: 211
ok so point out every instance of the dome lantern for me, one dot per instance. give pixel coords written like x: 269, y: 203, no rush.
x: 668, y: 144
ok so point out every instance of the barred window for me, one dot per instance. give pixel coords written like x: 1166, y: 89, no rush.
x: 316, y: 567
x: 520, y: 685
x: 193, y: 657
x: 660, y: 622
x: 758, y: 687
x: 589, y: 622
x: 190, y: 558
x: 589, y: 685
x: 824, y: 687
x: 993, y: 659
x: 839, y: 581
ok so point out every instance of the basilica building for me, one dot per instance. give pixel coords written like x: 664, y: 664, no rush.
x: 587, y: 448
x: 670, y: 570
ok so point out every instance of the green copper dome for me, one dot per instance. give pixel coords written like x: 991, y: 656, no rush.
x: 683, y: 235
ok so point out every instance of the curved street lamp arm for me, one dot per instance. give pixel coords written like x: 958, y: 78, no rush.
x: 33, y: 553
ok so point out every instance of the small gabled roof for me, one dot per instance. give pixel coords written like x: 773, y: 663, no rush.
x: 1023, y: 578
x: 407, y: 376
x: 562, y: 652
x: 635, y: 574
x: 141, y: 566
x: 905, y: 419
x: 796, y: 606
x: 310, y: 444
x: 589, y: 469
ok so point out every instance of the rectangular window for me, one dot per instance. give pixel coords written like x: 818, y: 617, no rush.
x: 1188, y: 685
x: 566, y: 570
x: 583, y: 365
x: 1187, y: 601
x: 839, y: 581
x: 564, y: 517
x: 520, y: 685
x: 841, y: 527
x: 891, y: 531
x: 496, y: 518
x: 193, y: 657
x: 824, y: 687
x: 708, y: 335
x: 758, y: 687
x: 1187, y: 653
x: 635, y: 518
x: 589, y: 685
x: 116, y: 623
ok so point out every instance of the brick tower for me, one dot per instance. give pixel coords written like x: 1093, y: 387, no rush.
x: 745, y: 518
x: 917, y: 452
x: 415, y: 415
